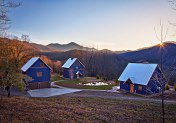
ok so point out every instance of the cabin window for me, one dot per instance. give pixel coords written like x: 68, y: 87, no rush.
x: 39, y: 74
x: 76, y: 67
x: 140, y: 87
x: 42, y: 65
x: 155, y: 76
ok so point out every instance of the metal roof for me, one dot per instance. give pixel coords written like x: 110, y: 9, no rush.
x: 78, y: 72
x: 138, y: 73
x: 69, y: 62
x: 30, y: 63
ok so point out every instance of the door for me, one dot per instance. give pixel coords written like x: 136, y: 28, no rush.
x: 77, y: 76
x: 131, y: 88
x: 71, y: 74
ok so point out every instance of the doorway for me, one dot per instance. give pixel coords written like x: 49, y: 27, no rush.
x: 131, y: 88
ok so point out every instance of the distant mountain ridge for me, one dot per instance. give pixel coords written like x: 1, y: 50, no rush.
x: 65, y: 47
x: 41, y: 47
x: 116, y: 59
x: 153, y: 54
x: 60, y: 47
x: 147, y: 54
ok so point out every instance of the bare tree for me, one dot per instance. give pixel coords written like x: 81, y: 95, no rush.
x: 87, y: 56
x: 162, y: 37
x: 25, y: 38
x: 5, y: 6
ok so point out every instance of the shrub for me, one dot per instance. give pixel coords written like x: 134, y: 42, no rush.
x: 84, y: 83
x: 175, y: 87
x: 171, y: 83
x: 105, y: 79
x: 116, y: 79
x: 98, y: 77
x: 167, y: 87
x: 84, y: 80
x: 21, y: 86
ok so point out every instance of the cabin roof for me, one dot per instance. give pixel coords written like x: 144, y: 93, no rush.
x: 69, y: 62
x: 138, y: 73
x: 78, y: 72
x: 30, y: 63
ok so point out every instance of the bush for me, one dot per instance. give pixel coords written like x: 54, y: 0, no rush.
x: 171, y: 83
x: 84, y: 80
x: 21, y: 86
x: 105, y: 79
x: 175, y: 87
x: 167, y: 87
x: 98, y: 77
x: 116, y: 79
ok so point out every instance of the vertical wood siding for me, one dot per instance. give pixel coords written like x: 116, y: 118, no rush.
x: 36, y: 67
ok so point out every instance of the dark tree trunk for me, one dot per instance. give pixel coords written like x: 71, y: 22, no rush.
x: 8, y: 90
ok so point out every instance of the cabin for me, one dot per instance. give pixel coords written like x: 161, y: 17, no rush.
x: 39, y: 72
x: 142, y: 78
x: 73, y: 69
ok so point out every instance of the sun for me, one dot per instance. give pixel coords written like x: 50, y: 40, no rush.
x: 161, y: 44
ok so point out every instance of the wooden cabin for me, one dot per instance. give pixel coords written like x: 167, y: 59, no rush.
x: 73, y: 69
x: 39, y: 72
x: 142, y: 78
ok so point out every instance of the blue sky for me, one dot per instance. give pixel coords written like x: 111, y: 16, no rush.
x: 104, y: 24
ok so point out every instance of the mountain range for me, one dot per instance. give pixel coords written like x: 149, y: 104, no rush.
x: 116, y: 59
x: 60, y: 47
x: 149, y: 54
x: 154, y: 54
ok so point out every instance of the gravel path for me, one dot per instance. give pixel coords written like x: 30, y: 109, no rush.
x: 116, y: 95
x: 111, y: 94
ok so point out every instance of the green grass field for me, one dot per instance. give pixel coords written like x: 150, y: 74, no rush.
x: 75, y: 83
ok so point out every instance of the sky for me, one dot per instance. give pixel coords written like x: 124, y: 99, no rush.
x: 103, y: 24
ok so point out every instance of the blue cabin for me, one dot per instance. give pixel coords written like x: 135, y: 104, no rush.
x: 142, y: 78
x: 73, y: 69
x: 39, y: 72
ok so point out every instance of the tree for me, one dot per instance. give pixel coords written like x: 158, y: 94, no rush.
x: 25, y: 38
x: 172, y: 3
x: 87, y: 56
x: 57, y: 66
x: 21, y: 52
x: 162, y: 37
x: 5, y: 6
x: 13, y: 54
x: 47, y: 61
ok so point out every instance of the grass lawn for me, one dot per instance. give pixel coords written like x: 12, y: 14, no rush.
x: 79, y: 109
x: 75, y: 83
x: 56, y: 77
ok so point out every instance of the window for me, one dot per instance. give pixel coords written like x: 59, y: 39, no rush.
x: 140, y: 87
x: 39, y: 74
x: 41, y: 65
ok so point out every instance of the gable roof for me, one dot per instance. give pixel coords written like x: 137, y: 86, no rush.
x: 69, y: 63
x: 138, y: 73
x: 31, y: 62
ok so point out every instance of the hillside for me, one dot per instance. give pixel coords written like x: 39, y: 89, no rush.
x: 153, y: 54
x: 41, y: 48
x: 81, y: 109
x: 107, y: 63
